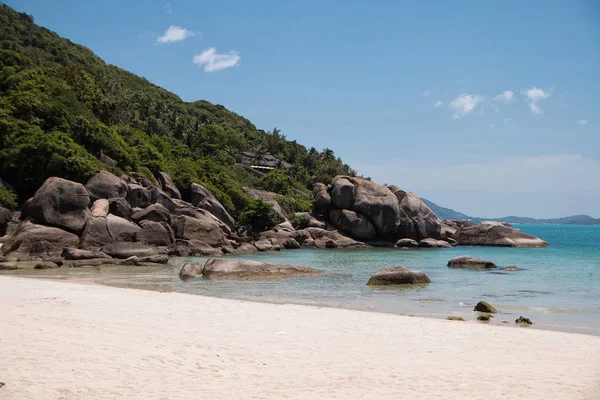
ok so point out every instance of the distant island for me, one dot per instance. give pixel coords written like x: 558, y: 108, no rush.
x: 447, y: 213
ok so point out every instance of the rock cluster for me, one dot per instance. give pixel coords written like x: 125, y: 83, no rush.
x: 489, y: 233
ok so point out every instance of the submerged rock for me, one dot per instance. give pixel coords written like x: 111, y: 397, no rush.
x: 469, y: 262
x: 455, y: 318
x: 247, y: 269
x: 483, y: 306
x: 7, y: 266
x: 127, y: 249
x: 511, y: 268
x: 523, y: 320
x: 397, y: 276
x: 46, y: 265
x: 484, y: 318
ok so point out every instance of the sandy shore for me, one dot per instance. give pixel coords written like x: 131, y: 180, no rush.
x: 70, y: 341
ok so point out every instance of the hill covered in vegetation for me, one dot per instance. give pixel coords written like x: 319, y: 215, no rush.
x: 62, y: 109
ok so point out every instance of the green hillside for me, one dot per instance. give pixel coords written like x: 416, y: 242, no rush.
x: 62, y: 107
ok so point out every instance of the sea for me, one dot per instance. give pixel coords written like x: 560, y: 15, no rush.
x: 557, y: 287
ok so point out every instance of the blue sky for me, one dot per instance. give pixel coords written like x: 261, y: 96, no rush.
x: 490, y: 108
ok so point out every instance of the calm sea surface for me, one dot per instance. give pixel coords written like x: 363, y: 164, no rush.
x: 558, y: 287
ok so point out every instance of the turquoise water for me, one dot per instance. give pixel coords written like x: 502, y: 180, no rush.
x: 558, y: 287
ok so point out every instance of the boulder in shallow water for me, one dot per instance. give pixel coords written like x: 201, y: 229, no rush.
x: 81, y: 254
x: 523, y: 321
x: 190, y: 271
x: 495, y: 235
x: 468, y: 262
x: 45, y: 265
x: 32, y: 240
x: 407, y: 243
x: 511, y: 268
x: 434, y: 243
x: 247, y: 269
x: 485, y: 307
x: 397, y: 276
x: 455, y: 318
x: 484, y: 318
x: 7, y: 266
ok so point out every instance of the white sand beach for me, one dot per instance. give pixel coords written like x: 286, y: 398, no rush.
x: 63, y: 340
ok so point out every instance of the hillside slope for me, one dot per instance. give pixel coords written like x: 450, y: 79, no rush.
x: 62, y: 108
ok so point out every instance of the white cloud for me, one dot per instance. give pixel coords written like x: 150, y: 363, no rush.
x: 534, y: 95
x: 168, y: 8
x: 464, y: 104
x: 175, y: 34
x: 438, y: 104
x: 426, y: 93
x: 507, y: 120
x: 213, y: 61
x: 505, y: 97
x: 582, y: 121
x: 491, y: 126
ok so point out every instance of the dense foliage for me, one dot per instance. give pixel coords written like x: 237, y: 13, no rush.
x: 62, y: 107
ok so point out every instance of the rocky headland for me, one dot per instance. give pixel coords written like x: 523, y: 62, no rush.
x: 130, y: 220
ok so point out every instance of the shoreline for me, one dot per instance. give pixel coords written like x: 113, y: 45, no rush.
x: 71, y: 341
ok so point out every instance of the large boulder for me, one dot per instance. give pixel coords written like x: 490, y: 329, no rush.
x: 426, y: 224
x: 155, y: 233
x: 203, y: 198
x: 120, y: 229
x: 205, y: 229
x: 138, y: 196
x: 397, y: 276
x: 496, y: 235
x: 468, y: 262
x: 32, y: 240
x: 322, y: 199
x: 167, y: 184
x: 100, y: 208
x: 270, y: 198
x: 124, y: 250
x: 353, y: 224
x: 343, y: 193
x: 485, y: 307
x: 155, y: 212
x: 120, y: 207
x: 105, y: 185
x: 307, y: 220
x: 5, y: 218
x: 247, y: 269
x: 158, y: 196
x: 60, y: 203
x: 95, y: 234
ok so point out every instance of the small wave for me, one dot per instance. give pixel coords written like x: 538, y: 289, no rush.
x: 547, y: 310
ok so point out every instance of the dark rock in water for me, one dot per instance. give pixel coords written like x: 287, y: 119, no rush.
x: 190, y: 271
x: 167, y: 184
x: 353, y: 224
x: 60, y: 203
x: 45, y: 265
x: 32, y: 240
x: 120, y: 207
x: 138, y: 196
x: 407, y: 243
x: 469, y: 262
x: 484, y: 318
x: 7, y: 266
x: 397, y: 276
x: 247, y: 269
x: 523, y: 320
x: 495, y: 234
x: 483, y: 306
x: 511, y: 268
x: 80, y: 254
x: 105, y: 185
x: 455, y: 318
x: 203, y: 198
x: 155, y: 233
x: 128, y: 249
x: 155, y: 212
x: 385, y: 245
x: 146, y: 260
